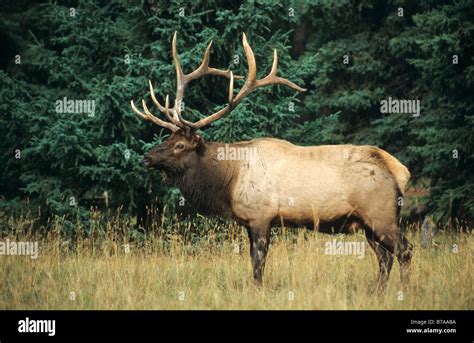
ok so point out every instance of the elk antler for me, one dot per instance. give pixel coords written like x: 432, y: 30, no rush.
x: 250, y: 84
x: 176, y: 121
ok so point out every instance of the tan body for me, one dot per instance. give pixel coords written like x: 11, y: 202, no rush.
x: 309, y: 186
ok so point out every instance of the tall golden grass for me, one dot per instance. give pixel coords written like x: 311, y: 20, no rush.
x: 110, y: 267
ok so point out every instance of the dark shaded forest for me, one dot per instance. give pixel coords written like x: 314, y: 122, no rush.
x: 350, y: 55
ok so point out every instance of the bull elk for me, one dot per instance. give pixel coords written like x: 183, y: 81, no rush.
x: 326, y: 188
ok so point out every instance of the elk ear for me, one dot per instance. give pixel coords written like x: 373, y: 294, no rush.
x: 196, y: 141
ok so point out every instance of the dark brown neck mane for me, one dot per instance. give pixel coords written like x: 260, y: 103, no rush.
x: 207, y: 186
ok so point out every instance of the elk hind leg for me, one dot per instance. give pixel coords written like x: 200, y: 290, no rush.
x: 384, y: 257
x: 404, y: 252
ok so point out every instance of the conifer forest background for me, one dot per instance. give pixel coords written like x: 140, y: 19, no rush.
x: 72, y: 176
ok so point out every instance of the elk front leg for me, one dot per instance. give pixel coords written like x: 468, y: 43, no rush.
x: 259, y: 236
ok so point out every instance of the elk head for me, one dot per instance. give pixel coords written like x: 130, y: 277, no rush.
x: 181, y: 149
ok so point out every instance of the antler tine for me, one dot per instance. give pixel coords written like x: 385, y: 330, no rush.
x: 152, y: 93
x: 168, y: 110
x: 231, y: 88
x: 252, y: 73
x: 158, y: 121
x: 204, y: 68
x: 150, y: 117
x: 271, y: 78
x: 252, y: 83
x: 179, y: 71
x: 137, y: 111
x: 160, y: 107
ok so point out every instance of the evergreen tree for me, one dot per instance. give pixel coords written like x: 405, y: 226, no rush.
x: 349, y: 54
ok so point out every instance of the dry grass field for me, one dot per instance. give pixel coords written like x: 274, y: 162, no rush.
x: 104, y: 270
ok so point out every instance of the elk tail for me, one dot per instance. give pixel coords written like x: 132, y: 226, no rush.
x: 397, y: 169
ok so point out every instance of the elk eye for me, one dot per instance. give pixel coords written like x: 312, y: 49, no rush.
x: 179, y: 146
